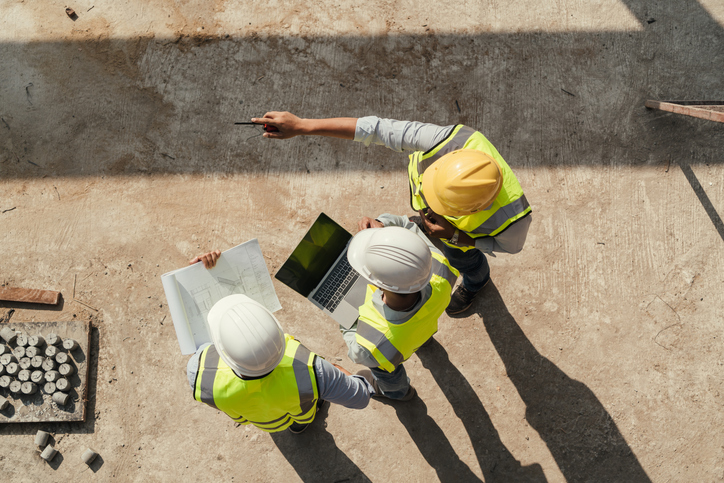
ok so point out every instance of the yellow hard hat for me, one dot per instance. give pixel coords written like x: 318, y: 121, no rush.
x: 461, y: 182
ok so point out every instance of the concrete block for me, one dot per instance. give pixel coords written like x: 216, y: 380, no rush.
x: 62, y: 384
x: 36, y: 341
x: 41, y: 438
x: 48, y: 453
x: 66, y: 370
x: 52, y: 376
x: 48, y: 364
x: 29, y: 388
x: 61, y: 398
x: 88, y: 456
x: 12, y: 369
x: 8, y: 334
x: 70, y: 344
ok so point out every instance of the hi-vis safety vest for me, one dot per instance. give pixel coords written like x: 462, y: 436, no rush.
x: 273, y: 402
x: 510, y: 205
x: 393, y: 343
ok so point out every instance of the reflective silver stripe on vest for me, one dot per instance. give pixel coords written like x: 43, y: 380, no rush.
x: 456, y: 142
x: 382, y: 343
x: 208, y: 375
x: 442, y: 270
x: 304, y: 381
x: 503, y: 214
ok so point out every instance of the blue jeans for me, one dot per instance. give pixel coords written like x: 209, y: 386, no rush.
x: 393, y: 385
x: 472, y: 264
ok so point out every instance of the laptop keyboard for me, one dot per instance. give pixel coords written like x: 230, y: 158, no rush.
x: 336, y: 286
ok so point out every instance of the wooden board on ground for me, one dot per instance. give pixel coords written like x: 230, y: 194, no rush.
x: 709, y: 110
x: 30, y: 295
x: 39, y: 407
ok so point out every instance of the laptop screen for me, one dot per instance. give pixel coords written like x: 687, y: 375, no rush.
x: 314, y: 256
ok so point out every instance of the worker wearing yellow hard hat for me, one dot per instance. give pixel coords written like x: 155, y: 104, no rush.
x: 465, y: 192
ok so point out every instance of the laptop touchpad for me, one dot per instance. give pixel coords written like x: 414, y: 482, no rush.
x: 356, y: 296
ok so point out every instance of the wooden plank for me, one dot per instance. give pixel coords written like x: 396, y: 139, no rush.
x: 709, y: 110
x: 30, y: 295
x: 39, y: 407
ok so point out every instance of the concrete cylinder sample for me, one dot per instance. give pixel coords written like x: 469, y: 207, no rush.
x: 32, y: 351
x: 2, y: 369
x: 37, y: 377
x: 5, y: 381
x: 61, y: 357
x: 51, y: 351
x: 8, y: 334
x: 22, y: 340
x: 53, y: 339
x: 15, y: 387
x: 88, y: 456
x: 24, y: 363
x: 62, y: 384
x: 49, y: 388
x: 61, y: 398
x: 41, y: 438
x: 37, y: 362
x: 4, y: 349
x: 66, y: 370
x: 19, y: 352
x: 52, y: 376
x: 70, y: 344
x: 48, y: 453
x: 24, y: 375
x: 36, y: 341
x: 48, y: 364
x: 29, y: 388
x: 6, y: 359
x: 12, y: 369
x: 3, y: 403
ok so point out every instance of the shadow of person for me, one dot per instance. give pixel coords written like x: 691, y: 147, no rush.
x: 314, y: 455
x: 496, y: 462
x: 579, y: 432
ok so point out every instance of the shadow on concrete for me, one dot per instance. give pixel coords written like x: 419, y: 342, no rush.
x: 140, y: 106
x: 703, y: 198
x: 495, y: 460
x: 315, y: 456
x: 579, y: 432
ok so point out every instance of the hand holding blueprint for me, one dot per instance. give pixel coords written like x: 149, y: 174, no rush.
x: 193, y: 290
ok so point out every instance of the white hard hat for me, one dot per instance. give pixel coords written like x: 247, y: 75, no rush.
x: 392, y: 258
x: 246, y: 335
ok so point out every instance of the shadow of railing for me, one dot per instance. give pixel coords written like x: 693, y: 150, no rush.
x: 580, y: 434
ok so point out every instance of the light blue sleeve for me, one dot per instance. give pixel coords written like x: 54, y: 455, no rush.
x: 399, y: 135
x: 357, y: 353
x: 352, y: 392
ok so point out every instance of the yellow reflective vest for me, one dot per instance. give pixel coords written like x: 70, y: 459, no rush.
x: 510, y: 205
x: 392, y: 343
x: 273, y: 402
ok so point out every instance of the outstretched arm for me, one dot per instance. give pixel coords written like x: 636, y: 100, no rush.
x: 290, y: 125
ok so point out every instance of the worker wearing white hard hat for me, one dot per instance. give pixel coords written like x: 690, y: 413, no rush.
x: 468, y: 197
x: 410, y: 283
x: 257, y: 374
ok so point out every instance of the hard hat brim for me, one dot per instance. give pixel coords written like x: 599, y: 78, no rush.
x: 428, y: 192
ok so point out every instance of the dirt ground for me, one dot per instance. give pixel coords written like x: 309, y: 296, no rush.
x: 595, y: 354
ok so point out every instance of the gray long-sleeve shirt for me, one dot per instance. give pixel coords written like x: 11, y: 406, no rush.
x: 418, y: 136
x: 333, y: 385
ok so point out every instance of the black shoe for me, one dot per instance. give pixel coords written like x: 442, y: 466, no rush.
x: 460, y: 301
x: 297, y: 428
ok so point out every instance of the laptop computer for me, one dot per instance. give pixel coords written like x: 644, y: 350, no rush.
x: 318, y: 270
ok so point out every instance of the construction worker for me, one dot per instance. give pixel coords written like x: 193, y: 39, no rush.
x: 465, y: 192
x: 259, y: 375
x: 410, y: 286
